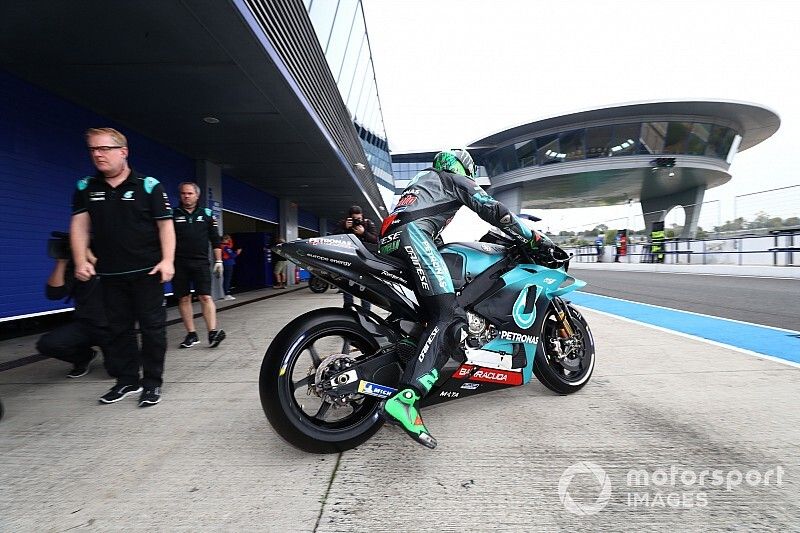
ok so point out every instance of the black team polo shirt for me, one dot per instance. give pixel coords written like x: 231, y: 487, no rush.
x: 125, y: 235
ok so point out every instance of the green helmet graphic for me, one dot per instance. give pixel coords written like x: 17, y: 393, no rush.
x: 457, y: 161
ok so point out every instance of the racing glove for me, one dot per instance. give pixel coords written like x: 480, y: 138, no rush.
x: 540, y: 242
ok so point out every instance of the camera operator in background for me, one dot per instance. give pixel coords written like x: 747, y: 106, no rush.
x: 74, y: 342
x: 365, y: 230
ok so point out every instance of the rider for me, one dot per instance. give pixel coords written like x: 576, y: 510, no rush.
x: 426, y: 206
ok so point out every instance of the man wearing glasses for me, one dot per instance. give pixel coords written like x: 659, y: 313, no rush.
x: 130, y: 219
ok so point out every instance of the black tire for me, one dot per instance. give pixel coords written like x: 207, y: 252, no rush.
x: 317, y: 285
x: 286, y: 360
x: 547, y: 369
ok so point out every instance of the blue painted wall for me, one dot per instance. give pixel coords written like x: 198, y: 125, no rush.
x: 243, y: 198
x: 307, y: 220
x: 42, y: 155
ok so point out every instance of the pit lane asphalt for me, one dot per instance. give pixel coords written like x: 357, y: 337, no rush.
x: 766, y: 296
x: 206, y: 458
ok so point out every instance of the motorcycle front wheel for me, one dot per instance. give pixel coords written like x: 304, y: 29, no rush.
x: 302, y: 417
x: 565, y: 364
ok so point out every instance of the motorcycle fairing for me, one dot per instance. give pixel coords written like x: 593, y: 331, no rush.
x: 518, y: 306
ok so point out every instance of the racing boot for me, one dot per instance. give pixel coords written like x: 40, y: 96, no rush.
x: 402, y: 409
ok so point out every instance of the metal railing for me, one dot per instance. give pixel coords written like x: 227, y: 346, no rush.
x: 777, y: 248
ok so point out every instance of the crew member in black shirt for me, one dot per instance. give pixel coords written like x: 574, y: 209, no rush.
x: 134, y: 240
x: 73, y: 342
x: 195, y: 228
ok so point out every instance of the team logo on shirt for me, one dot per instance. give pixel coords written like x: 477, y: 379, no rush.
x: 128, y: 195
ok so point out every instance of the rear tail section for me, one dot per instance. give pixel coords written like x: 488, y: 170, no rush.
x: 345, y: 262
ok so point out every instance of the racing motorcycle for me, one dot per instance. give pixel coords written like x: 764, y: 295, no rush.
x: 325, y: 374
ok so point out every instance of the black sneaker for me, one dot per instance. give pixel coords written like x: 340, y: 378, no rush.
x: 215, y: 337
x: 150, y: 396
x: 81, y: 369
x: 118, y: 392
x: 190, y: 340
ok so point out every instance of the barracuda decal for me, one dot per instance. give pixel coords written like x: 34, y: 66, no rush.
x: 83, y: 183
x: 521, y: 318
x: 505, y: 377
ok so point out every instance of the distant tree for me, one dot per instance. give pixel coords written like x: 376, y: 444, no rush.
x: 610, y: 235
x: 761, y: 221
x: 732, y: 225
x: 701, y: 233
x: 776, y: 222
x: 792, y: 221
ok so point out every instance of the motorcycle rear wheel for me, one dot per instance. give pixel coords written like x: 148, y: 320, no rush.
x: 302, y: 418
x: 558, y: 375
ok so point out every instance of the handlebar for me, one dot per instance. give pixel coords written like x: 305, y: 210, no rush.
x: 550, y: 256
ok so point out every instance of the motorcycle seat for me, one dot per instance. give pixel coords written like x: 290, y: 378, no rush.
x: 391, y: 262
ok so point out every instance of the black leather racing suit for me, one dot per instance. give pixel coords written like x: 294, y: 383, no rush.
x: 425, y: 208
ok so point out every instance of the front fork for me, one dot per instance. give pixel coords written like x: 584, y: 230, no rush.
x: 565, y: 329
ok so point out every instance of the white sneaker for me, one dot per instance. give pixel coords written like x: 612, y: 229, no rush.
x: 229, y: 297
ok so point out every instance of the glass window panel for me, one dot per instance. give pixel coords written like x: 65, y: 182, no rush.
x: 368, y: 96
x: 548, y: 151
x: 571, y: 145
x: 598, y: 141
x: 698, y: 139
x: 624, y: 139
x: 526, y: 153
x: 653, y: 136
x: 340, y: 35
x: 502, y: 160
x: 720, y: 141
x: 508, y: 158
x: 322, y: 13
x: 350, y: 61
x: 359, y: 78
x: 677, y: 134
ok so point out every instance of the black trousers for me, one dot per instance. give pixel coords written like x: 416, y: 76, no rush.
x: 73, y: 342
x: 433, y: 287
x: 132, y: 298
